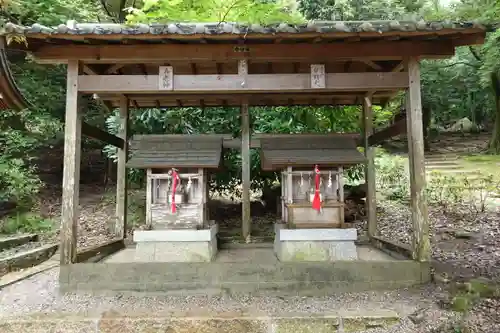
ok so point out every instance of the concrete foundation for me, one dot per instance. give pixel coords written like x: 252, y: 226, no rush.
x: 244, y: 272
x: 176, y: 245
x: 315, y: 244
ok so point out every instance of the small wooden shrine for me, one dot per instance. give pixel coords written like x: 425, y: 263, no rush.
x: 178, y: 168
x: 311, y: 176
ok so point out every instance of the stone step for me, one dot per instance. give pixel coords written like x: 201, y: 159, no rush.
x: 254, y: 321
x: 441, y: 157
x: 13, y: 241
x: 467, y: 172
x: 441, y: 163
x: 27, y: 258
x: 16, y: 276
x: 444, y: 167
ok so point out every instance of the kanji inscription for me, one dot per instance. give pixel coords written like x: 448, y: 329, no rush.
x: 166, y: 78
x: 318, y: 76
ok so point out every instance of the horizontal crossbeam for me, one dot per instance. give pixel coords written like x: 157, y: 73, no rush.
x: 255, y: 83
x: 372, y: 50
x: 395, y: 129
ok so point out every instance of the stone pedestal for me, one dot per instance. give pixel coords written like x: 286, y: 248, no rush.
x: 315, y: 244
x: 176, y: 245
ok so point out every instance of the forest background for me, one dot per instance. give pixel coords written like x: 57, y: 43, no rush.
x: 465, y: 86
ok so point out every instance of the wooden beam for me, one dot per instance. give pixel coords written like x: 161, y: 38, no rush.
x: 96, y: 253
x: 99, y: 134
x: 420, y: 218
x: 114, y: 54
x: 399, y: 127
x: 264, y: 83
x: 246, y: 222
x: 371, y: 193
x: 399, y: 67
x: 120, y: 229
x: 470, y: 39
x: 372, y: 64
x: 71, y: 169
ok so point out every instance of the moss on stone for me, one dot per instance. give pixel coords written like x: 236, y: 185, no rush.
x: 353, y: 325
x: 307, y: 325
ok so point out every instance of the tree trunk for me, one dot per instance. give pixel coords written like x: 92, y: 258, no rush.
x: 494, y: 145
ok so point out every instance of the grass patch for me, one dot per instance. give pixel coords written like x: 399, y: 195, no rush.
x: 483, y: 158
x: 26, y: 223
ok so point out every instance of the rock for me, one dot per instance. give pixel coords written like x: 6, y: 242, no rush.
x: 441, y: 278
x: 462, y: 234
x: 462, y: 125
x: 356, y: 192
x: 418, y: 316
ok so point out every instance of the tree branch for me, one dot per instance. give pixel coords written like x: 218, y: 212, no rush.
x: 475, y: 54
x: 103, y: 3
x: 460, y: 63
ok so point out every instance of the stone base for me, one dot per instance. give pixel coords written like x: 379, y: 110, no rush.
x: 176, y: 245
x: 315, y: 244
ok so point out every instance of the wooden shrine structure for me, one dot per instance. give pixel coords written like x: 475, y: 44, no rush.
x: 294, y: 156
x: 231, y: 64
x: 178, y: 168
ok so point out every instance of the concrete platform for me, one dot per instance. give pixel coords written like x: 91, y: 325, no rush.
x: 176, y: 245
x: 326, y: 245
x: 245, y: 271
x: 253, y: 255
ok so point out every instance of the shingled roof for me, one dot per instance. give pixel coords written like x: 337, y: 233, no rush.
x: 170, y: 151
x: 230, y: 31
x: 306, y: 151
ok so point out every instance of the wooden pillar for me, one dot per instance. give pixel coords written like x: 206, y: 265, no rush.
x: 420, y: 218
x: 120, y: 228
x: 71, y: 170
x: 149, y: 199
x: 371, y: 202
x: 245, y: 156
x: 245, y: 173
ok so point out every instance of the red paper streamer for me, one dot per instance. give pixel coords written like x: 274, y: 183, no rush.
x: 316, y: 203
x: 175, y: 180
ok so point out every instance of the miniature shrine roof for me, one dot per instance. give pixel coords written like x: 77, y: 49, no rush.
x: 306, y: 151
x: 175, y: 151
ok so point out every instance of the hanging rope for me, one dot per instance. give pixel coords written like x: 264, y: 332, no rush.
x: 316, y: 203
x: 175, y: 181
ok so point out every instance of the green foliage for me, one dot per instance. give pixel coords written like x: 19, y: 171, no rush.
x: 18, y: 182
x: 461, y: 96
x: 242, y: 11
x: 345, y: 10
x: 26, y: 223
x: 449, y: 191
x: 51, y: 12
x: 391, y: 176
x: 444, y: 190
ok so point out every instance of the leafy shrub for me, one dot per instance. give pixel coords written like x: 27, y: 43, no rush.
x: 479, y: 190
x: 445, y: 190
x: 28, y: 223
x: 450, y: 191
x: 391, y: 176
x: 18, y: 182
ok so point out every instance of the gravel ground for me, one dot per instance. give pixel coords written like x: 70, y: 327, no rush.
x: 464, y: 244
x: 40, y: 294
